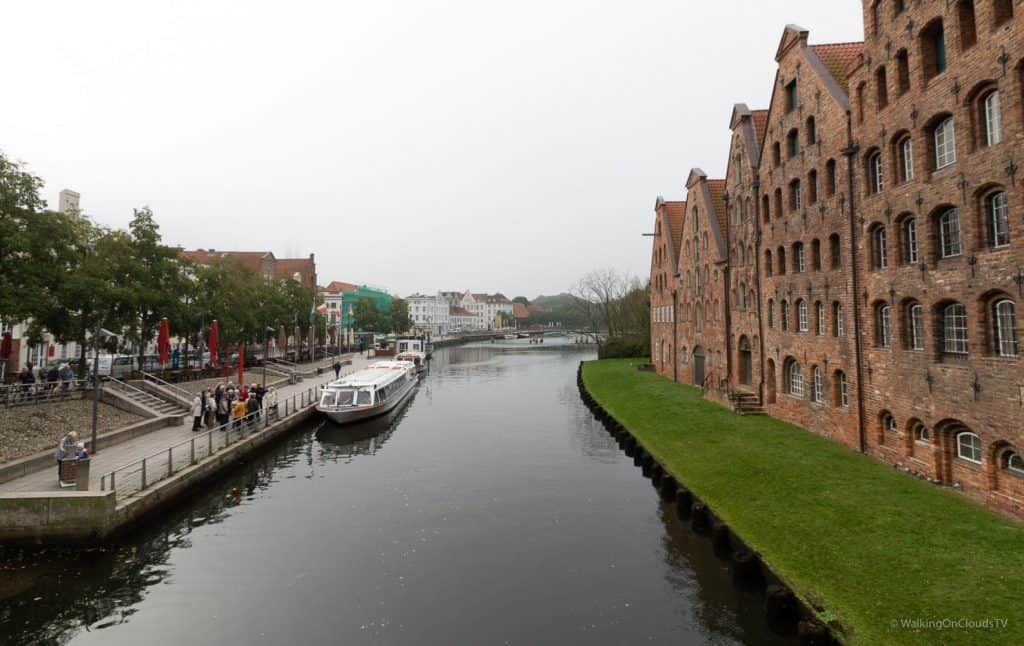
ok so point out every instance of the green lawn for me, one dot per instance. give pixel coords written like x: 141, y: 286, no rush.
x: 851, y: 535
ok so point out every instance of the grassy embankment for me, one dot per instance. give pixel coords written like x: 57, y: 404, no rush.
x: 870, y: 545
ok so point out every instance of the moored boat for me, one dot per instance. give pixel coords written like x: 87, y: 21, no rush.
x: 412, y: 348
x: 372, y: 391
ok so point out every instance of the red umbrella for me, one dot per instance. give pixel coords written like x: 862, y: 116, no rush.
x: 163, y: 341
x: 213, y: 343
x: 241, y: 363
x: 5, y: 346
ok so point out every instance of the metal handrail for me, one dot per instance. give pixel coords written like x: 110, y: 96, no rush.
x: 40, y: 392
x: 124, y: 386
x: 148, y: 376
x: 283, y: 362
x: 249, y: 423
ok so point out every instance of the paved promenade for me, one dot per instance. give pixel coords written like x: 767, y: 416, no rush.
x: 114, y: 457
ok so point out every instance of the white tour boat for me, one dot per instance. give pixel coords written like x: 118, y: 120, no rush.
x: 412, y: 349
x: 372, y: 391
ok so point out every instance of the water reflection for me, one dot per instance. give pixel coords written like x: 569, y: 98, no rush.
x: 501, y: 511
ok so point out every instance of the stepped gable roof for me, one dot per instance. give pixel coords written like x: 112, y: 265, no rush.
x: 838, y: 58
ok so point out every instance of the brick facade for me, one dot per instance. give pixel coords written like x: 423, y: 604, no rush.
x: 873, y: 215
x: 668, y: 226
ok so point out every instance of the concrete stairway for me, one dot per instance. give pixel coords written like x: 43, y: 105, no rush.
x: 746, y: 403
x: 146, y: 399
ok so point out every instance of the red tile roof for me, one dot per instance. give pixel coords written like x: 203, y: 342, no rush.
x: 304, y: 267
x: 520, y: 311
x: 838, y: 58
x: 717, y: 189
x: 459, y: 311
x: 675, y: 212
x: 336, y: 286
x: 760, y: 118
x: 251, y: 260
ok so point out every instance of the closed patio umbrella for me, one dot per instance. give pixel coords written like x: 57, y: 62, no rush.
x: 214, y: 343
x: 163, y: 341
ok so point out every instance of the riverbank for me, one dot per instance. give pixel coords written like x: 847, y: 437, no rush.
x: 874, y: 551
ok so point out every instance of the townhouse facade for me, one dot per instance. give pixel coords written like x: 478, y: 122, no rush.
x: 873, y: 222
x: 429, y: 313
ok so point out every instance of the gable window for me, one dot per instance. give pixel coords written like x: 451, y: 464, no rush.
x: 933, y: 49
x: 879, y: 259
x: 812, y: 186
x: 819, y: 311
x: 837, y: 319
x: 816, y: 254
x: 801, y: 312
x: 831, y: 182
x: 915, y: 326
x: 1002, y: 11
x: 835, y: 255
x: 781, y: 257
x: 768, y: 267
x: 1005, y: 328
x: 910, y: 241
x: 778, y: 202
x: 968, y: 447
x: 799, y: 260
x: 883, y: 326
x: 776, y: 153
x: 811, y: 131
x: 791, y: 96
x: 881, y: 91
x: 794, y: 195
x: 954, y: 329
x: 860, y: 102
x: 793, y: 143
x: 875, y: 180
x: 968, y: 28
x: 949, y: 234
x: 998, y: 220
x: 903, y: 71
x: 992, y: 118
x: 784, y: 312
x: 905, y: 154
x: 771, y: 313
x: 944, y: 138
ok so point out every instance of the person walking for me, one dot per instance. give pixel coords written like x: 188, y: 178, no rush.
x: 197, y: 412
x: 27, y: 378
x: 67, y: 375
x: 337, y: 368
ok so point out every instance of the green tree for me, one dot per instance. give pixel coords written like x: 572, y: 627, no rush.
x: 521, y: 299
x: 505, y: 320
x: 365, y: 315
x: 23, y: 243
x: 398, y: 316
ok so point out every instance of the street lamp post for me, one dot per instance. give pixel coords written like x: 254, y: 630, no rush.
x: 99, y: 333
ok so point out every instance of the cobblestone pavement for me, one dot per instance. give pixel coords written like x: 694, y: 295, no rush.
x: 25, y: 430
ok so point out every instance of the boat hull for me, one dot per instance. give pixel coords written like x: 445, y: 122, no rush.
x: 350, y: 415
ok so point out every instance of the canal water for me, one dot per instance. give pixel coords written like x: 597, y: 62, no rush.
x: 492, y: 509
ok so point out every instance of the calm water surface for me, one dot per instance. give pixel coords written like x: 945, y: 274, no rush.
x: 492, y: 509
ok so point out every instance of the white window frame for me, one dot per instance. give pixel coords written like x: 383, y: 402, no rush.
x: 819, y: 308
x: 907, y: 154
x: 993, y: 119
x: 970, y: 449
x: 880, y: 259
x: 877, y: 181
x: 1010, y: 465
x: 950, y: 243
x: 910, y: 236
x: 1004, y: 313
x: 796, y: 380
x: 915, y: 316
x: 816, y: 392
x: 999, y: 221
x: 889, y: 422
x: 801, y: 258
x: 837, y: 314
x: 844, y: 390
x: 922, y: 434
x: 801, y: 312
x: 954, y: 329
x: 945, y: 144
x: 885, y: 326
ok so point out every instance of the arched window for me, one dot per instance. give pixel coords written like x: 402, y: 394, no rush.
x: 698, y: 317
x: 831, y: 180
x: 933, y: 49
x: 816, y: 394
x: 841, y: 396
x: 835, y: 254
x: 1005, y: 327
x: 811, y: 131
x: 968, y: 447
x: 998, y: 219
x: 812, y: 187
x: 889, y: 423
x: 949, y: 233
x: 883, y: 326
x: 819, y: 315
x: 796, y: 379
x: 801, y: 315
x: 944, y: 138
x: 739, y: 256
x: 751, y: 300
x: 784, y: 314
x: 903, y: 71
x: 992, y: 118
x: 704, y: 239
x: 771, y: 313
x: 921, y: 433
x: 799, y: 258
x: 740, y: 297
x: 909, y: 228
x: 780, y: 256
x: 765, y: 210
x: 1013, y: 462
x: 794, y: 196
x: 777, y: 154
x: 768, y: 268
x: 860, y: 101
x: 1002, y: 11
x: 879, y: 258
x: 816, y: 254
x: 793, y: 143
x: 915, y: 326
x: 837, y: 319
x: 905, y: 158
x: 968, y: 28
x: 954, y: 329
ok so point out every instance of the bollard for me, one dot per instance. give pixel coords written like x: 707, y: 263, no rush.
x: 143, y: 473
x: 746, y: 566
x: 720, y: 539
x: 699, y: 518
x: 668, y: 488
x: 656, y: 474
x: 780, y: 607
x: 812, y: 633
x: 170, y: 461
x: 192, y: 451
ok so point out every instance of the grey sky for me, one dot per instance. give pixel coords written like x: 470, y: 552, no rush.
x: 417, y: 146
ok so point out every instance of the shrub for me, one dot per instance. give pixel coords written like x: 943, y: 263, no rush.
x: 624, y: 349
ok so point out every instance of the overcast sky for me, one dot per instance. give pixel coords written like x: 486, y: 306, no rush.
x: 418, y: 146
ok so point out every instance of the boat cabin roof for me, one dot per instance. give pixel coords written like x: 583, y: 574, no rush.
x: 375, y: 374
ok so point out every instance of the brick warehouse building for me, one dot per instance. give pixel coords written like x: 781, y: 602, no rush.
x: 668, y: 228
x: 876, y: 245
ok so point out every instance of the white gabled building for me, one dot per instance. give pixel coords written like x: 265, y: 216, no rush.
x: 430, y: 313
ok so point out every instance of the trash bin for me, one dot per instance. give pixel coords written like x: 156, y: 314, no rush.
x: 82, y: 475
x: 67, y: 473
x: 293, y: 377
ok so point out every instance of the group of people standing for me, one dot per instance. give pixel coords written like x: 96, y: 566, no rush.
x: 230, y: 403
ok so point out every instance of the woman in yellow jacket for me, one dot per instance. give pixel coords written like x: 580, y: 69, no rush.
x: 238, y: 413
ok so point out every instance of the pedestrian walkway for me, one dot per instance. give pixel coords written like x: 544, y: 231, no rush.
x: 108, y: 459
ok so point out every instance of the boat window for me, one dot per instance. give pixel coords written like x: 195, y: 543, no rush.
x: 345, y: 397
x: 327, y: 398
x: 365, y: 397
